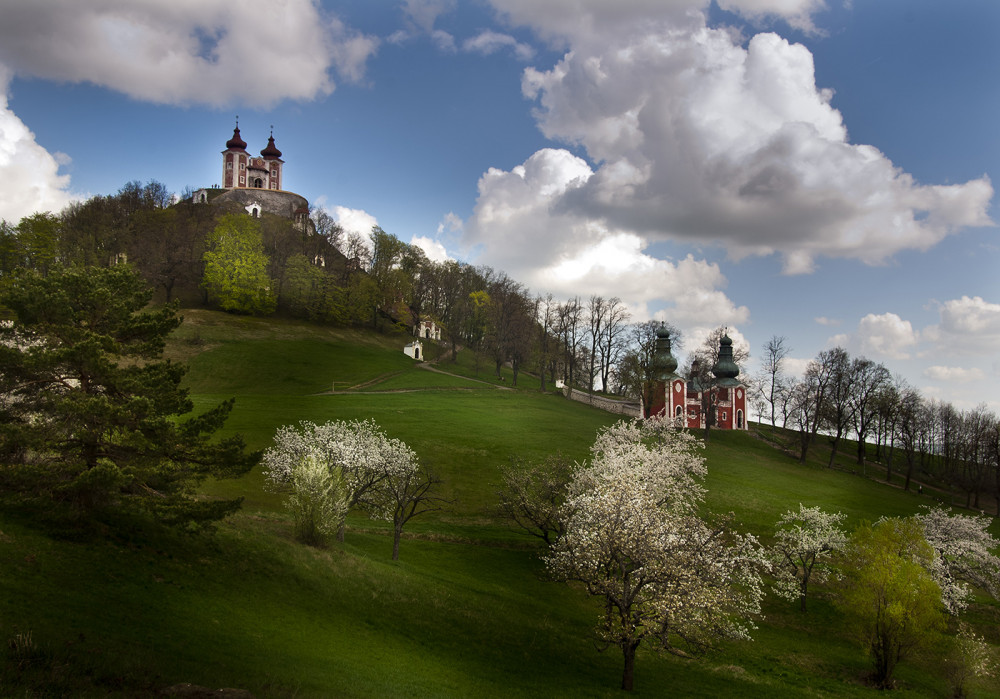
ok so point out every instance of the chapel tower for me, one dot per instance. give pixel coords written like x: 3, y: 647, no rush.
x: 240, y: 170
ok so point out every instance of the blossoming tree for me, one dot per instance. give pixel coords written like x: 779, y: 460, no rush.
x: 337, y: 466
x: 634, y: 538
x: 802, y: 540
x: 965, y: 557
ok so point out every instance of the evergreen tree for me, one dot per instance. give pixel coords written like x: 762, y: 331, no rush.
x: 94, y: 424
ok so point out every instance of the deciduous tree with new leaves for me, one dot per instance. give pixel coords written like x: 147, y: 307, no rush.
x: 891, y: 597
x: 803, y: 539
x: 633, y: 538
x: 236, y: 267
x: 318, y: 499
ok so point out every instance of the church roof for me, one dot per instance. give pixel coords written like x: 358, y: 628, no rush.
x: 236, y: 143
x: 665, y: 361
x: 725, y: 369
x: 271, y: 151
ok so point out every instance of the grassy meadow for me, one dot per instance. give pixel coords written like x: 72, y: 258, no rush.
x: 465, y: 612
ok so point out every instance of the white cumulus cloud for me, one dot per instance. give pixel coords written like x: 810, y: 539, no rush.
x: 879, y: 336
x: 357, y: 221
x: 520, y: 226
x: 954, y: 374
x: 885, y: 335
x: 211, y: 52
x: 698, y: 137
x: 31, y: 175
x: 434, y: 250
x: 968, y: 325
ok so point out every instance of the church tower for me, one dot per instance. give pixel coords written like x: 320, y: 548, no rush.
x: 668, y: 394
x: 731, y: 395
x: 240, y: 170
x: 273, y: 163
x: 235, y: 160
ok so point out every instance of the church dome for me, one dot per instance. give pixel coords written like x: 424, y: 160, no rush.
x: 725, y: 369
x: 664, y: 359
x: 271, y: 151
x: 236, y: 143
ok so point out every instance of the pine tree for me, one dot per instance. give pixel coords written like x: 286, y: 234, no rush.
x: 94, y: 424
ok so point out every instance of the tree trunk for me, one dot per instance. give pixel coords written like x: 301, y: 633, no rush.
x: 628, y: 673
x: 833, y: 449
x: 397, y: 532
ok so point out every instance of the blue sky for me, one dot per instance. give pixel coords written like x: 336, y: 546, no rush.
x: 818, y: 170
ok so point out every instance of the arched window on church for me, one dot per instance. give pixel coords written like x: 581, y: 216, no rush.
x: 258, y: 183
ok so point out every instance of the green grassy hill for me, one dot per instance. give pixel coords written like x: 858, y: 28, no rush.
x: 464, y: 612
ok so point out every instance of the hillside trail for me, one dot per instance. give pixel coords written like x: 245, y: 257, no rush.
x: 427, y: 366
x: 432, y: 366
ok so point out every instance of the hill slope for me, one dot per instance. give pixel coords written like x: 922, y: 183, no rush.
x: 465, y: 612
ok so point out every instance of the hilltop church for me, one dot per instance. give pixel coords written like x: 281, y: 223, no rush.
x: 255, y: 182
x: 687, y: 400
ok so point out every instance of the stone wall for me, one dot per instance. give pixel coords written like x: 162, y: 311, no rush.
x: 619, y: 407
x: 273, y: 202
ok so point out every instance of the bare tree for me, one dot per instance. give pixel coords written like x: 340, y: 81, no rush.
x: 868, y: 379
x: 570, y: 317
x: 838, y: 414
x: 613, y: 338
x: 597, y: 309
x: 772, y: 370
x: 326, y: 226
x: 808, y: 401
x: 546, y: 316
x: 886, y: 414
x: 510, y: 323
x: 533, y: 494
x: 911, y: 413
x: 638, y: 369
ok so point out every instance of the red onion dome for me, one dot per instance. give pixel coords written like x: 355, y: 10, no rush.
x: 236, y: 143
x: 271, y: 150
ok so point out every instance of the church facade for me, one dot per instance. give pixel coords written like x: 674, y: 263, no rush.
x: 240, y: 169
x: 691, y: 401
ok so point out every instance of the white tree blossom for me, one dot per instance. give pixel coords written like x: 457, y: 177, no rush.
x: 802, y: 540
x: 665, y: 459
x: 633, y: 537
x: 965, y: 557
x: 369, y: 463
x: 972, y: 657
